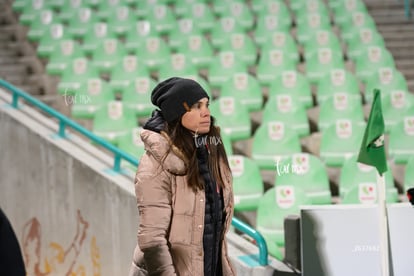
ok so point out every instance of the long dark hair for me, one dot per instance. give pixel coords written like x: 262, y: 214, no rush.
x: 183, y: 139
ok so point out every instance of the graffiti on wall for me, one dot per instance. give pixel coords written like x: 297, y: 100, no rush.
x: 43, y: 257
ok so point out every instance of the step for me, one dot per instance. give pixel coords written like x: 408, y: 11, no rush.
x: 10, y: 69
x: 402, y: 52
x: 7, y: 59
x: 397, y: 29
x: 13, y: 79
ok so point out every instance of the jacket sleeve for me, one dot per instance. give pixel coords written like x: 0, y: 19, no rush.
x: 153, y: 191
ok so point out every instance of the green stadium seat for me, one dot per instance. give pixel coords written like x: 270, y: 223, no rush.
x: 178, y: 65
x: 357, y: 20
x: 95, y: 35
x: 272, y: 142
x: 343, y: 10
x: 51, y: 39
x: 309, y: 25
x: 409, y: 174
x: 394, y: 106
x: 272, y: 64
x: 108, y: 55
x: 40, y: 24
x: 246, y: 88
x: 202, y: 12
x: 113, y: 122
x: 240, y: 11
x: 223, y: 67
x: 274, y: 206
x: 339, y: 106
x: 307, y: 172
x: 222, y: 29
x: 248, y: 185
x: 288, y: 109
x: 387, y: 79
x: 137, y: 96
x: 154, y: 52
x: 121, y: 19
x: 242, y: 46
x: 75, y: 75
x: 136, y: 35
x: 199, y: 50
x: 310, y: 7
x: 274, y: 8
x: 227, y: 143
x: 401, y: 139
x: 105, y: 8
x: 67, y: 9
x: 354, y: 173
x: 132, y: 144
x: 29, y: 10
x: 339, y: 80
x: 319, y: 65
x: 124, y: 73
x: 186, y: 27
x: 293, y: 83
x: 373, y: 57
x: 321, y: 39
x: 62, y: 56
x: 162, y: 17
x: 360, y: 39
x: 90, y: 98
x: 80, y: 21
x: 339, y: 142
x: 232, y: 117
x: 280, y: 41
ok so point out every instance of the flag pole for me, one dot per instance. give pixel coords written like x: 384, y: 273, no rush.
x: 383, y: 223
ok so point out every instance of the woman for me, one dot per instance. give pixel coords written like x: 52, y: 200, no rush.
x: 183, y: 187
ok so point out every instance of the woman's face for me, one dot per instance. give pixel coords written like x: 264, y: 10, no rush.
x: 197, y: 119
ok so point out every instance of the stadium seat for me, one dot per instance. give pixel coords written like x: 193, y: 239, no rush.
x: 394, y: 106
x: 309, y: 25
x: 199, y: 50
x: 227, y: 143
x: 137, y: 96
x: 339, y: 142
x: 309, y: 7
x: 242, y: 46
x: 80, y: 21
x: 108, y: 55
x: 95, y: 35
x: 401, y: 139
x: 113, y: 121
x: 319, y: 65
x: 106, y: 8
x: 274, y: 206
x: 246, y: 89
x: 279, y: 41
x: 224, y: 27
x: 354, y: 173
x: 387, y: 79
x: 272, y: 64
x: 132, y: 144
x: 62, y: 56
x: 272, y: 142
x: 121, y: 20
x: 409, y: 174
x: 307, y: 172
x: 248, y: 186
x: 68, y: 8
x: 361, y: 39
x: 90, y: 98
x: 51, y: 39
x: 178, y: 65
x: 201, y: 11
x: 78, y: 73
x: 343, y: 10
x: 365, y: 193
x: 136, y: 35
x: 371, y: 59
x: 238, y: 10
x: 223, y: 67
x: 232, y: 117
x: 339, y: 106
x: 288, y: 109
x: 339, y: 80
x: 295, y: 84
x: 268, y: 24
x: 124, y: 72
x: 358, y: 20
x: 273, y: 8
x: 321, y: 39
x: 29, y: 10
x: 162, y: 17
x: 186, y: 27
x: 154, y: 52
x: 40, y: 24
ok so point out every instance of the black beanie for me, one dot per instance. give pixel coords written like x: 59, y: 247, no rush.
x: 174, y: 96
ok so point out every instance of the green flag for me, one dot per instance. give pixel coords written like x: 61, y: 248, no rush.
x: 372, y: 150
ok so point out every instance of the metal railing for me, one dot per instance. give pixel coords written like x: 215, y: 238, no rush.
x: 118, y: 154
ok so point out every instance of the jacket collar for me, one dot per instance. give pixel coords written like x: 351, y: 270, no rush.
x: 158, y: 144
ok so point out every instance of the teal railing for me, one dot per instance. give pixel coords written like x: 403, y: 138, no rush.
x: 118, y: 154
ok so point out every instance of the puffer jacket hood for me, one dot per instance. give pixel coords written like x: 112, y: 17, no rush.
x: 156, y: 122
x: 158, y: 145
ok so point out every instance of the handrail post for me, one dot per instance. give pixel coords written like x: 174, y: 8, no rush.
x: 62, y: 126
x: 117, y: 162
x: 15, y: 100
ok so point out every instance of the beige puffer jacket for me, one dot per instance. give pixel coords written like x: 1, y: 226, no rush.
x: 171, y: 214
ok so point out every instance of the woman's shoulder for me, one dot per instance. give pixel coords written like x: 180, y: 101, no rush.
x: 157, y: 146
